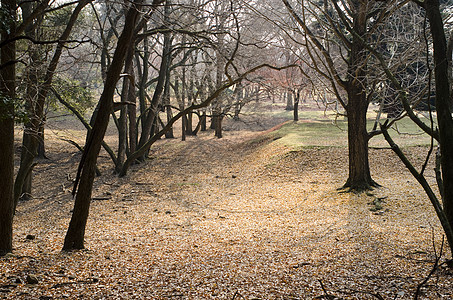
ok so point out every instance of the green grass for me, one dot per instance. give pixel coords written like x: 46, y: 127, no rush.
x: 316, y: 129
x: 315, y: 133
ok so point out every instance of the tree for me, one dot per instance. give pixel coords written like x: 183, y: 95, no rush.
x: 75, y: 234
x: 443, y: 100
x: 7, y: 98
x: 36, y: 102
x: 443, y: 103
x: 338, y: 30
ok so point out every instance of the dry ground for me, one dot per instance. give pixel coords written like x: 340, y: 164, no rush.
x: 243, y: 217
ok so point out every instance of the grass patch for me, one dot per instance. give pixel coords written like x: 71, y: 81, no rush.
x: 316, y: 129
x: 313, y: 134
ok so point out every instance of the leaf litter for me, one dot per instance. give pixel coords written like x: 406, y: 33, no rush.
x: 229, y: 218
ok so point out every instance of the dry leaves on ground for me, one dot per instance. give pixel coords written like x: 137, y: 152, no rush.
x: 224, y: 219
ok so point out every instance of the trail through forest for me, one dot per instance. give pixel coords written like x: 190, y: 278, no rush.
x: 243, y: 217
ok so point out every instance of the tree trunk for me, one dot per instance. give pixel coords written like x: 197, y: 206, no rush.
x: 166, y: 98
x: 217, y: 116
x: 41, y: 143
x: 203, y: 126
x: 183, y: 128
x: 7, y: 92
x: 144, y: 74
x: 218, y: 125
x: 443, y: 108
x: 257, y: 94
x: 124, y: 110
x: 75, y: 235
x: 203, y: 113
x: 289, y: 101
x: 359, y: 169
x: 169, y: 134
x: 132, y: 113
x: 296, y: 106
x: 356, y: 88
x: 239, y: 101
x: 189, y: 124
x: 36, y: 62
x: 152, y: 115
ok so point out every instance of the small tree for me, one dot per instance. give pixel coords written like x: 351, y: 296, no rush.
x: 84, y: 182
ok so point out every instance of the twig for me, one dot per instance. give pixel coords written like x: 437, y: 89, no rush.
x: 101, y: 198
x: 61, y: 284
x: 352, y: 292
x: 326, y: 295
x: 433, y: 270
x: 237, y: 294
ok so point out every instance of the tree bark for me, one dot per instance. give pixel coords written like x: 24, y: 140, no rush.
x: 218, y: 125
x: 151, y: 116
x: 8, y: 93
x: 443, y: 100
x: 239, y: 101
x: 132, y: 113
x: 190, y: 100
x: 289, y: 101
x: 296, y: 106
x: 122, y: 121
x: 359, y: 169
x: 166, y: 96
x: 75, y: 235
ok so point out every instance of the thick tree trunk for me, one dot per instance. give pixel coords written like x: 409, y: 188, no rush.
x: 169, y: 113
x: 41, y: 142
x: 443, y: 108
x: 289, y: 101
x: 359, y: 169
x: 217, y: 120
x: 203, y: 126
x: 7, y: 92
x: 76, y: 231
x: 7, y: 171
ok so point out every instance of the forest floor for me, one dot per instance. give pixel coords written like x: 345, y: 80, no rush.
x: 242, y: 217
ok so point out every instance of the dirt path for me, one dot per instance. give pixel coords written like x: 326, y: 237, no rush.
x: 219, y: 219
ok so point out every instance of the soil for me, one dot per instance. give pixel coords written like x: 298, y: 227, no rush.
x: 242, y: 217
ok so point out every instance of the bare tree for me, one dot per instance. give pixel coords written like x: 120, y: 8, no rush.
x: 84, y: 182
x: 443, y: 134
x: 31, y: 139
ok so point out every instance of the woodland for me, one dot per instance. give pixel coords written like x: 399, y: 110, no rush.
x: 226, y: 149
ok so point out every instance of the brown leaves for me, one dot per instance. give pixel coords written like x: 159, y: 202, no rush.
x: 184, y: 227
